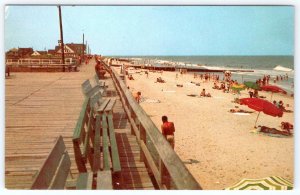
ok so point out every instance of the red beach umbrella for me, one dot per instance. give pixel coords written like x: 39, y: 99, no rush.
x: 273, y: 89
x: 261, y: 105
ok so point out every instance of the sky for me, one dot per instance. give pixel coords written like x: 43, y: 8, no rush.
x: 155, y: 30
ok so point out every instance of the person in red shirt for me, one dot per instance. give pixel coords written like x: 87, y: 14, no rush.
x: 168, y: 129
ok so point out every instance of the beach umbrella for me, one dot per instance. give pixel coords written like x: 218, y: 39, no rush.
x: 238, y: 87
x: 273, y: 89
x: 261, y: 105
x: 251, y: 85
x: 267, y: 183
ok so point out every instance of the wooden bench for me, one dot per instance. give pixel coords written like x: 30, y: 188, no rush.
x: 54, y: 172
x: 88, y: 90
x: 94, y: 135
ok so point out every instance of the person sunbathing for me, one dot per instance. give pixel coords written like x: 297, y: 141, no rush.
x: 222, y: 86
x: 197, y: 84
x: 215, y: 86
x: 265, y: 129
x: 203, y: 94
x: 160, y: 80
x: 130, y: 77
x: 286, y: 126
x: 239, y: 111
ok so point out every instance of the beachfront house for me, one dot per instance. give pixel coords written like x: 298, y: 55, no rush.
x: 71, y: 49
x: 19, y: 53
x: 25, y: 52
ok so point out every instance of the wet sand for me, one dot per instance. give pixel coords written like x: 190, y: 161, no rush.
x: 217, y: 146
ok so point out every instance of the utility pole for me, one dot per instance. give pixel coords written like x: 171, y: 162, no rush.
x: 86, y: 46
x: 82, y: 46
x: 61, y: 38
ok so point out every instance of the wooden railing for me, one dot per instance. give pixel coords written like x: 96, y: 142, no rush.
x: 33, y: 61
x: 41, y: 65
x: 162, y: 161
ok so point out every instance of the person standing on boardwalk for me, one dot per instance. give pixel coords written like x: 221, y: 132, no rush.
x: 97, y: 68
x: 168, y: 129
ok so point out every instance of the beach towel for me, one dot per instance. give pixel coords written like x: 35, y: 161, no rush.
x: 257, y: 131
x: 241, y: 113
x: 151, y: 101
x: 192, y: 95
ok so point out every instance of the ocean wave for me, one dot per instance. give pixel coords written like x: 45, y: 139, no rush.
x: 260, y: 73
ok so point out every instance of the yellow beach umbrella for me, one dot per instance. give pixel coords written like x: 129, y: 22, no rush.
x: 268, y: 183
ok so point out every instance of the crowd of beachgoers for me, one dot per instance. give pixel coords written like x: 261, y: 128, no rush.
x: 219, y: 128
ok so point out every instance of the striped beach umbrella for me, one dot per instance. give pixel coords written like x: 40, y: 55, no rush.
x: 238, y: 87
x: 268, y: 183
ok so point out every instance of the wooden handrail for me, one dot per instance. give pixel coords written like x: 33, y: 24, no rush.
x: 30, y: 61
x: 179, y: 174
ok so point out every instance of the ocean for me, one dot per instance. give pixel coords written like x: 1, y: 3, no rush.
x: 261, y: 65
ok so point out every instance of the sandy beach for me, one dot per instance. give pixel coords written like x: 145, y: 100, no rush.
x: 217, y: 146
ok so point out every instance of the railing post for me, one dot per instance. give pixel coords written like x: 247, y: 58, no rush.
x: 134, y: 119
x: 143, y: 137
x: 164, y: 175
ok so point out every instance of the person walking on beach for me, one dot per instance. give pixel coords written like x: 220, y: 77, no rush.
x: 168, y: 129
x: 137, y: 96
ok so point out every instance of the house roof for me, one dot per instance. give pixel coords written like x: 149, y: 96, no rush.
x: 42, y: 52
x: 75, y: 46
x: 14, y: 49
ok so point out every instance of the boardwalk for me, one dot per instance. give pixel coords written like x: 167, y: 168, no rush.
x: 41, y: 106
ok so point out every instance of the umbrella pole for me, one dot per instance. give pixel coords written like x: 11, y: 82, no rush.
x: 271, y: 96
x: 256, y: 120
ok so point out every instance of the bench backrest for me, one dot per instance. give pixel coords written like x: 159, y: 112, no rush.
x: 83, y: 128
x: 88, y: 90
x: 54, y: 172
x: 86, y: 86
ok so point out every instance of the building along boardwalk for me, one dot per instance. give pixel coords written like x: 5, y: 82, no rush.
x: 41, y: 106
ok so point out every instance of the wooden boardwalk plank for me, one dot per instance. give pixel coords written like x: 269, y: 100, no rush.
x: 41, y: 106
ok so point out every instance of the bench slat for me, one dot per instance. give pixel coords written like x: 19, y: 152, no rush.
x: 95, y: 99
x: 113, y: 145
x: 92, y: 91
x: 86, y: 148
x: 90, y: 181
x: 62, y: 172
x: 85, y: 181
x: 102, y: 106
x: 110, y: 105
x: 97, y: 151
x: 81, y: 120
x: 104, y: 180
x: 102, y: 84
x: 47, y: 171
x: 105, y: 141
